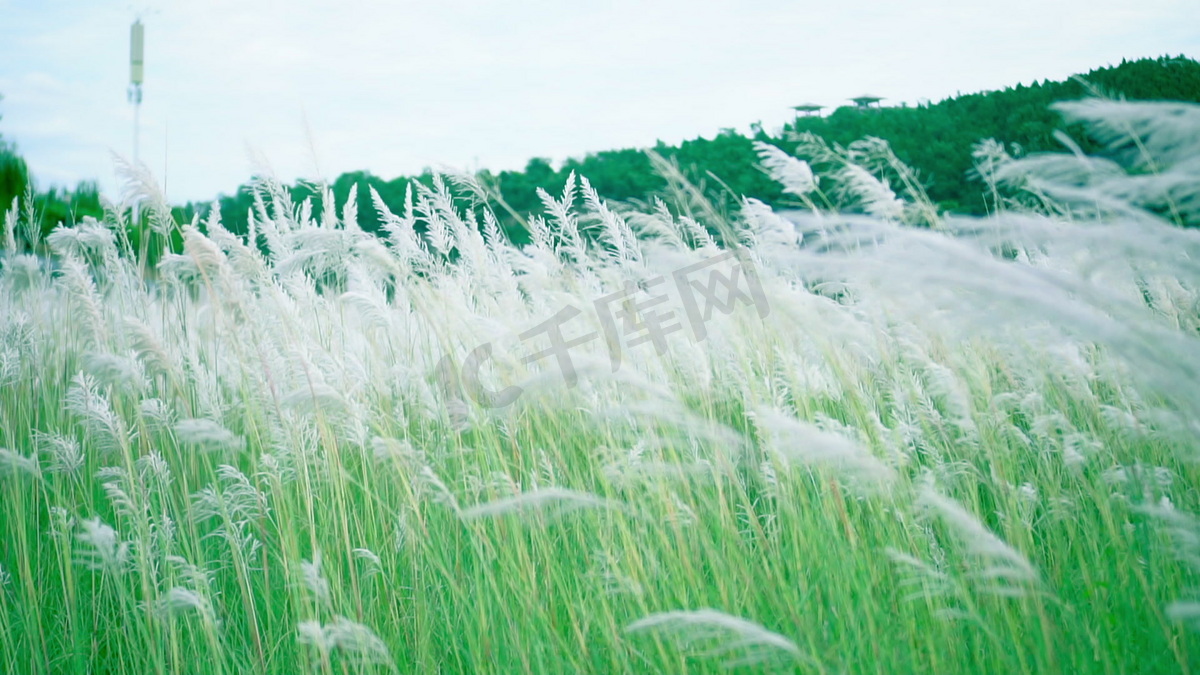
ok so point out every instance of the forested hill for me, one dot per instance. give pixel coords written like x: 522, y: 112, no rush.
x: 935, y: 139
x: 50, y: 206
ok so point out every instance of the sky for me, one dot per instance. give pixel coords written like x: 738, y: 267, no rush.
x: 313, y: 89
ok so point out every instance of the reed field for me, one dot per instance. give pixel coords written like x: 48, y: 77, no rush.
x: 858, y: 436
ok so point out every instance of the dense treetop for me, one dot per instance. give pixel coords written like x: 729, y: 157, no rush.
x: 51, y: 206
x: 935, y: 139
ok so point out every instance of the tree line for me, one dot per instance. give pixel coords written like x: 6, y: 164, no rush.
x: 49, y: 206
x: 934, y: 139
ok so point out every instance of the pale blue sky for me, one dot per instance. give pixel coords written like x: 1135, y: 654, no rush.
x: 319, y: 88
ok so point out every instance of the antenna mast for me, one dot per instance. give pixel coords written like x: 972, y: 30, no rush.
x: 137, y: 41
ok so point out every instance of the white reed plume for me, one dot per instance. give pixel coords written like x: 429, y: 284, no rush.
x: 438, y: 233
x: 369, y: 301
x: 795, y: 175
x: 1185, y: 611
x: 872, y: 194
x: 121, y: 372
x: 80, y: 287
x: 179, y: 601
x: 718, y: 634
x: 551, y: 503
x: 428, y: 479
x: 313, y: 579
x: 927, y: 579
x: 10, y: 365
x: 86, y: 238
x: 24, y: 271
x: 62, y: 524
x: 149, y: 346
x: 140, y: 184
x: 105, y: 551
x: 239, y: 536
x: 157, y: 414
x: 806, y: 444
x: 312, y: 398
x: 562, y: 214
x: 614, y: 229
x: 1147, y: 134
x: 106, y: 430
x: 129, y: 507
x: 370, y: 560
x: 1000, y: 568
x: 342, y: 636
x: 394, y: 450
x: 232, y: 497
x: 15, y: 463
x: 10, y: 226
x: 208, y: 436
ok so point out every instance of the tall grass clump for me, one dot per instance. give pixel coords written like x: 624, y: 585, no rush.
x: 918, y: 443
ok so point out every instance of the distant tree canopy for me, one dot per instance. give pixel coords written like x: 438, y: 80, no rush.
x: 935, y: 139
x: 14, y: 175
x: 49, y: 207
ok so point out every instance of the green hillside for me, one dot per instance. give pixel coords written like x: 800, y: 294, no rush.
x: 934, y: 139
x: 50, y: 206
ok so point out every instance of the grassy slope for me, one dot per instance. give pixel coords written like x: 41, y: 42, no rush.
x: 858, y: 482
